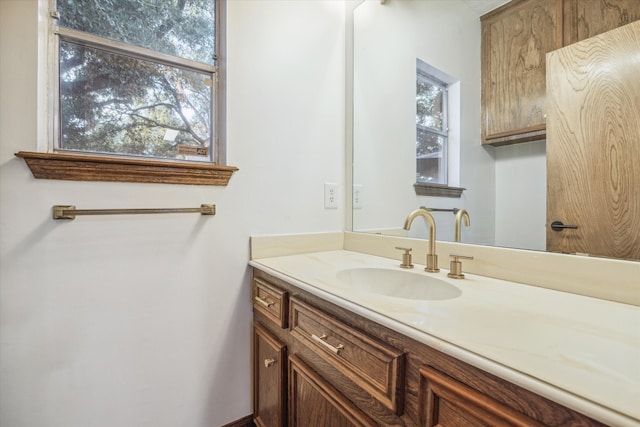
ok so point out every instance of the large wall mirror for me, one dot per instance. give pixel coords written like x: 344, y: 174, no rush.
x: 504, y: 187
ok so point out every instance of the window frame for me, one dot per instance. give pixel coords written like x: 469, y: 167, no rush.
x: 50, y: 163
x: 432, y: 75
x: 423, y: 76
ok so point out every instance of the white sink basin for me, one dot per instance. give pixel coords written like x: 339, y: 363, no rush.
x: 396, y: 283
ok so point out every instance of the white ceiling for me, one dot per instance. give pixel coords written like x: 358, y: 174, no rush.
x: 483, y: 6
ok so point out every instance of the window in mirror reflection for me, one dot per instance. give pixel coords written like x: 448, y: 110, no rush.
x: 431, y: 127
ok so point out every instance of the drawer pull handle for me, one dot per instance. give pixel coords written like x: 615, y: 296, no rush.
x: 263, y: 301
x: 321, y: 340
x: 269, y: 362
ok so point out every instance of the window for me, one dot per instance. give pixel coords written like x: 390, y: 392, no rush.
x: 437, y: 132
x: 136, y: 78
x: 431, y: 129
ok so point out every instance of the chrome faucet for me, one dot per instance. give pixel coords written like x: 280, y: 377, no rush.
x: 459, y: 215
x: 432, y: 258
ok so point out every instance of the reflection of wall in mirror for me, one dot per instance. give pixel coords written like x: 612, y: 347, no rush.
x: 521, y: 189
x: 387, y: 41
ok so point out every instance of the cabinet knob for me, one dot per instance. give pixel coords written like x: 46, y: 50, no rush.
x: 269, y: 362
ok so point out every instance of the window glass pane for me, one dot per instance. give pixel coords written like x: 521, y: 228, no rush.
x: 431, y: 157
x: 183, y: 28
x: 111, y: 103
x: 430, y: 104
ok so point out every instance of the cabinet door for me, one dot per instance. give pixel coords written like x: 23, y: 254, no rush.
x: 445, y: 402
x: 588, y: 18
x: 314, y: 402
x: 515, y: 40
x: 269, y: 376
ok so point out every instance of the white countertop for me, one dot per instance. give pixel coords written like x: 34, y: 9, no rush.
x: 579, y: 351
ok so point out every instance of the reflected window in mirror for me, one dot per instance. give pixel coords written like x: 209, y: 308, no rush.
x: 436, y: 104
x: 432, y: 132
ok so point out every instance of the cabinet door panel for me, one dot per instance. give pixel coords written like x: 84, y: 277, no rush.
x: 314, y: 402
x: 588, y: 18
x: 269, y: 370
x: 515, y: 40
x: 446, y: 402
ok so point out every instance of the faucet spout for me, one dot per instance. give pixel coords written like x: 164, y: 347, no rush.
x: 432, y: 257
x: 462, y: 213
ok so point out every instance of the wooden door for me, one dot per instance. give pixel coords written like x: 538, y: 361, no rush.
x: 314, y: 402
x: 593, y: 145
x: 269, y: 376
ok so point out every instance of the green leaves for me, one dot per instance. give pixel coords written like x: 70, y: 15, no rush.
x: 117, y: 102
x: 184, y: 28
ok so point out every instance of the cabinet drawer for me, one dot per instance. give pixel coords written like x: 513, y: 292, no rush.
x: 375, y: 367
x: 270, y: 301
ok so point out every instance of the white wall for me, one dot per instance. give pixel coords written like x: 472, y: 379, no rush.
x: 145, y: 320
x: 521, y: 195
x: 388, y: 39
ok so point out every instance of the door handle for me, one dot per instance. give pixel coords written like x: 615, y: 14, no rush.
x: 559, y: 226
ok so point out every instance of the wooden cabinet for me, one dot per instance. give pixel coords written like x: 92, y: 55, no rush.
x: 515, y: 39
x: 588, y: 18
x: 271, y: 301
x: 314, y: 402
x: 270, y: 386
x: 376, y: 367
x: 293, y: 387
x: 359, y: 373
x: 446, y: 402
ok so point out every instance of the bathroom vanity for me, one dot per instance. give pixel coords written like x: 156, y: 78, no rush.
x: 330, y: 349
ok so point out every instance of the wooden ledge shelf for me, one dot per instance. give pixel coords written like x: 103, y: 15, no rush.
x: 535, y: 133
x: 437, y: 190
x: 72, y: 167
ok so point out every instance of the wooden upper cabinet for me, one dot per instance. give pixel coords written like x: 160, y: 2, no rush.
x: 588, y: 18
x: 515, y: 39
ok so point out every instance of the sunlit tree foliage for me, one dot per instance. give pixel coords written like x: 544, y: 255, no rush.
x: 429, y: 114
x: 115, y: 102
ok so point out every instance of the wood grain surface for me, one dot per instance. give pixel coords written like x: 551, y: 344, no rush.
x: 514, y: 42
x: 593, y: 145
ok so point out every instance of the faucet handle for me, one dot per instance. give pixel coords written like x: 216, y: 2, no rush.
x: 455, y: 271
x: 406, y: 257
